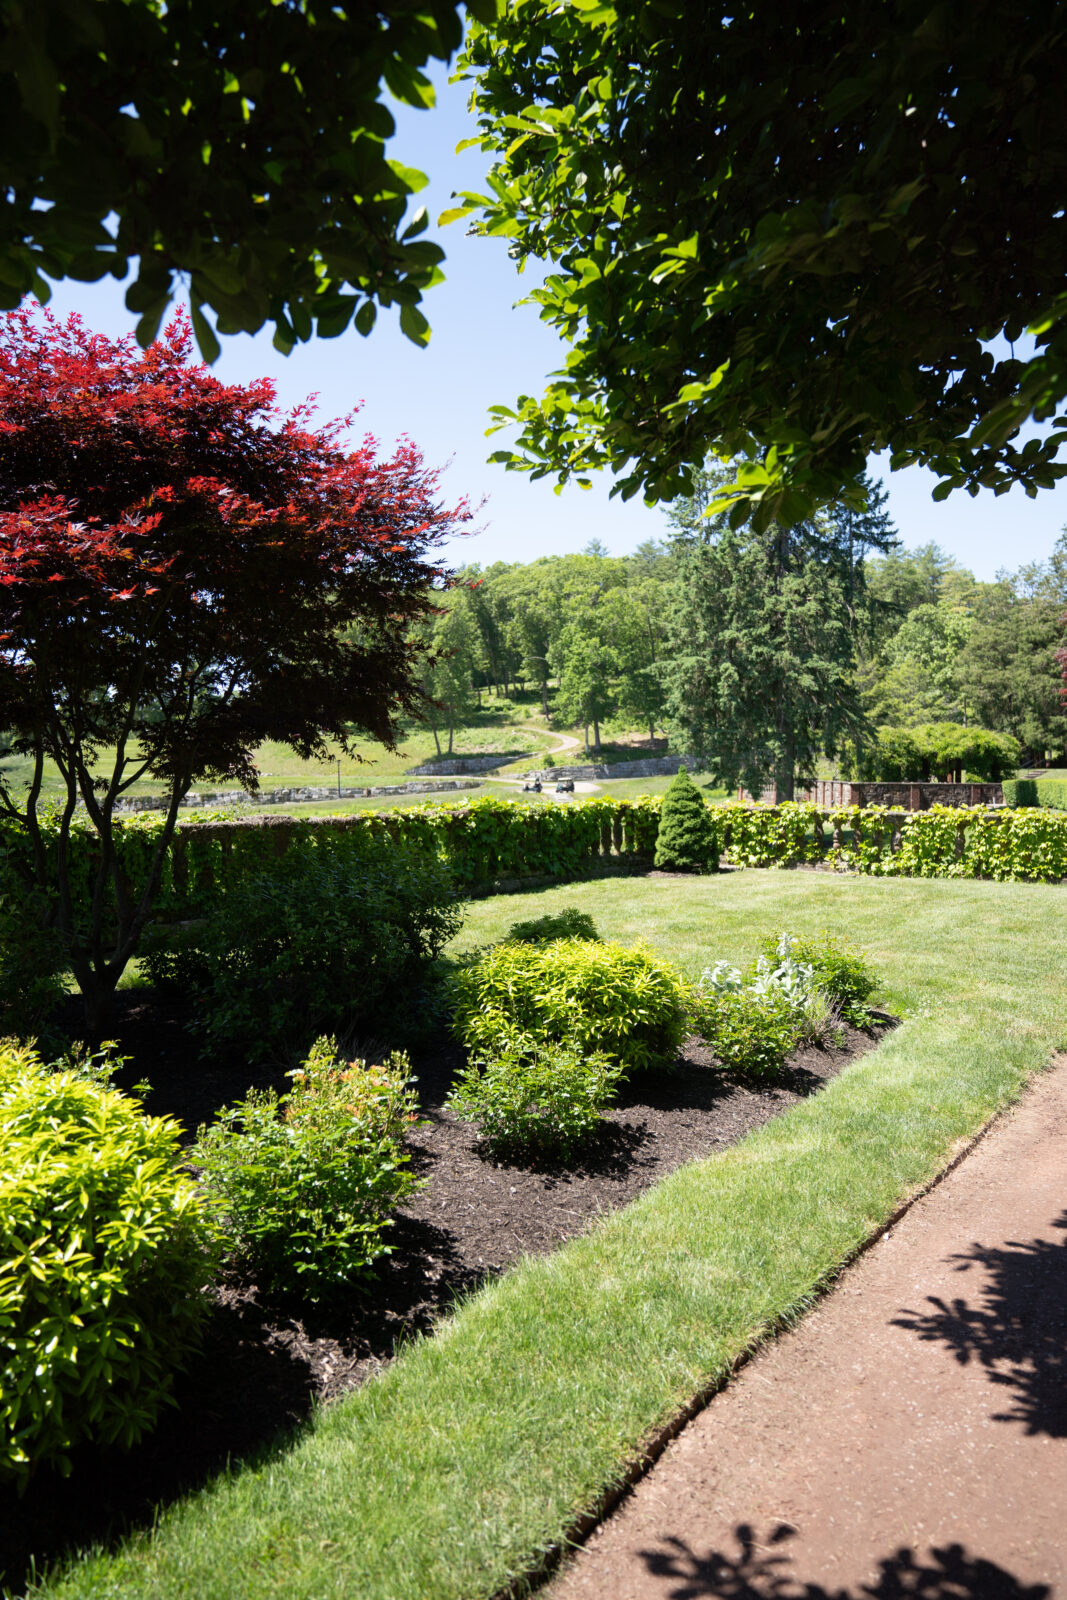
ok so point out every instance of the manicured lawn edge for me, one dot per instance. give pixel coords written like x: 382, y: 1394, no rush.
x: 476, y: 1453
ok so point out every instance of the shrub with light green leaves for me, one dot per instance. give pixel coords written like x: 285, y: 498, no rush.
x: 543, y: 1099
x: 626, y: 1004
x: 749, y: 1033
x: 104, y: 1248
x: 837, y: 968
x: 303, y: 1184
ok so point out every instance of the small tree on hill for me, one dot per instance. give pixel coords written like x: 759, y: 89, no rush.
x: 183, y: 575
x: 686, y: 841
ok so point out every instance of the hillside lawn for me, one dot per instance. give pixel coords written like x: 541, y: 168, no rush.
x: 452, y: 1473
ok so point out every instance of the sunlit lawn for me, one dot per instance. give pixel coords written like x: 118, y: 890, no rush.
x: 445, y: 1477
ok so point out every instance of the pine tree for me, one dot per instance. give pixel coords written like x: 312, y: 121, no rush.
x: 760, y: 669
x: 686, y: 841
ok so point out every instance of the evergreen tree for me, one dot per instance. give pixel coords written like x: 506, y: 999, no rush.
x: 764, y: 628
x: 686, y: 841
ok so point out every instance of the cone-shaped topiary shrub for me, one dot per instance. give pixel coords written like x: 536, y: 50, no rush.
x: 687, y: 840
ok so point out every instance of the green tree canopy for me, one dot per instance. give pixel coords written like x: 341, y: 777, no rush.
x: 1007, y: 668
x: 241, y: 142
x: 787, y: 234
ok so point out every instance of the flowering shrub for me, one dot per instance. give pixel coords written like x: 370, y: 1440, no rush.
x: 303, y: 1185
x: 797, y: 990
x: 830, y: 964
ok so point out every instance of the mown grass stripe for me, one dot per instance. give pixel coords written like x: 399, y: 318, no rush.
x: 479, y: 1448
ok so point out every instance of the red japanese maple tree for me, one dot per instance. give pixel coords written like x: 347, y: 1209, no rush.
x: 184, y: 573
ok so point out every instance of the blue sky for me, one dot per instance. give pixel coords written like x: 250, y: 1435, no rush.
x: 484, y: 352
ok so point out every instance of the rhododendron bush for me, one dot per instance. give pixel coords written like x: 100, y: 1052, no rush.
x: 184, y: 573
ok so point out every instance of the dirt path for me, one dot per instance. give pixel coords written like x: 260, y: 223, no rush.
x: 909, y: 1439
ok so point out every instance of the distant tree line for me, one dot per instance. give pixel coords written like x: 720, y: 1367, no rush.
x: 765, y: 650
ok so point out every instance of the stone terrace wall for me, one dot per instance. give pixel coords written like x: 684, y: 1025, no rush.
x: 650, y: 767
x: 451, y: 765
x: 280, y: 797
x: 903, y: 796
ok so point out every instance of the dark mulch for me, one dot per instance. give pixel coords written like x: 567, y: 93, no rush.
x: 264, y: 1364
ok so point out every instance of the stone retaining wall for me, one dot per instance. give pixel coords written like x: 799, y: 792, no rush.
x: 651, y: 767
x: 452, y: 765
x: 282, y: 797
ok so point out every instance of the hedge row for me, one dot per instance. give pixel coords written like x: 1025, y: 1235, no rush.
x: 480, y: 842
x: 944, y: 842
x: 1051, y: 792
x: 493, y: 839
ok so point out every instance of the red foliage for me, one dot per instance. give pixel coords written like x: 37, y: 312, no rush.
x: 185, y: 573
x: 180, y: 563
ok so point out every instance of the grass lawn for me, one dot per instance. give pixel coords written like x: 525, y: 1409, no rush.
x: 446, y: 1477
x: 500, y: 726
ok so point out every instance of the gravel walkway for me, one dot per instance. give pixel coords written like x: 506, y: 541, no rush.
x: 908, y: 1439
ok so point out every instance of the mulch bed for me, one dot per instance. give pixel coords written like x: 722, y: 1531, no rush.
x: 264, y: 1364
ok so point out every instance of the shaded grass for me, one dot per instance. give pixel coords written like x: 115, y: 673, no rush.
x: 477, y: 1449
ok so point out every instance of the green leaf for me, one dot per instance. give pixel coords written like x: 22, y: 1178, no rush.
x: 148, y: 326
x: 414, y: 326
x: 206, y: 341
x: 411, y: 180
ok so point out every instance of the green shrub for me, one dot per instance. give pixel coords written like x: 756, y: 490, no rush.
x: 596, y: 998
x: 838, y: 969
x: 569, y: 923
x: 32, y: 963
x: 919, y: 753
x: 1051, y: 792
x: 103, y: 1245
x: 1020, y: 792
x: 540, y: 1098
x: 320, y: 940
x: 303, y: 1184
x: 749, y: 1033
x: 687, y: 840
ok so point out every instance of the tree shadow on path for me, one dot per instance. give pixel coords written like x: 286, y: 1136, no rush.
x: 760, y: 1572
x: 1015, y: 1328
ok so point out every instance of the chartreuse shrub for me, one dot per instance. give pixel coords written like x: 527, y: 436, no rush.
x: 687, y: 840
x: 318, y: 939
x: 626, y: 1004
x: 303, y: 1184
x: 104, y: 1248
x: 541, y: 1099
